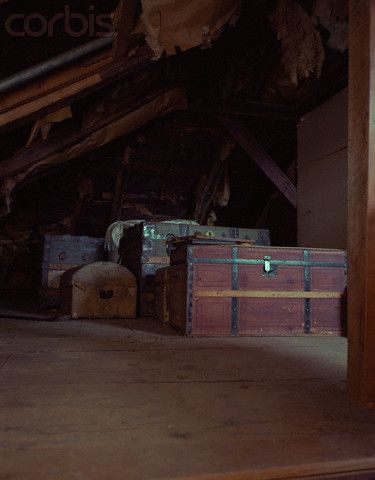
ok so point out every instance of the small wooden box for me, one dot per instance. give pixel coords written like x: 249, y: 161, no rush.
x: 99, y: 290
x: 224, y: 289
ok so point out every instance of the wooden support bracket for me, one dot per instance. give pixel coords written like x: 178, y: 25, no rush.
x: 240, y: 133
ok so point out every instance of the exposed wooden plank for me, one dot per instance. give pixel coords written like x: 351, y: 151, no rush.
x: 125, y: 21
x: 57, y: 150
x: 261, y: 158
x: 73, y: 79
x: 106, y: 129
x: 361, y: 231
x: 61, y: 89
x: 265, y: 294
x: 48, y: 99
x: 55, y: 81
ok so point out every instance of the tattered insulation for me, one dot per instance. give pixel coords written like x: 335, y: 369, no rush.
x: 214, y: 189
x: 333, y: 16
x: 302, y: 48
x: 172, y: 25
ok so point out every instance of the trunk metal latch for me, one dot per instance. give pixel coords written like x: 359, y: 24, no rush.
x: 269, y: 269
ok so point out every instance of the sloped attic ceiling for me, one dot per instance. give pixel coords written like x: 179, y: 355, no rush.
x: 257, y: 58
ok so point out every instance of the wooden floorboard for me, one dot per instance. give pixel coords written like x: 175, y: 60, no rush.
x: 135, y: 400
x: 347, y: 470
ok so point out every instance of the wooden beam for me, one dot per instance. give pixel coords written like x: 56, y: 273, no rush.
x: 61, y: 89
x: 240, y: 133
x: 56, y: 150
x: 361, y: 226
x: 210, y: 186
x: 102, y: 132
x: 53, y: 87
x: 124, y: 23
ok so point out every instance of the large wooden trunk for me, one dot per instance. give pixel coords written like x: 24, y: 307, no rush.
x: 62, y: 253
x: 227, y: 288
x: 99, y: 290
x: 143, y: 250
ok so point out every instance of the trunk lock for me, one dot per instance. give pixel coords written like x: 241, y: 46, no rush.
x: 269, y: 270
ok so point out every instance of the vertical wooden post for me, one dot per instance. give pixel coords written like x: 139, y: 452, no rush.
x: 124, y: 23
x: 119, y: 192
x: 361, y: 242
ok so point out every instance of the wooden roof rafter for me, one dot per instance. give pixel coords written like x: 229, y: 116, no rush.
x: 61, y: 88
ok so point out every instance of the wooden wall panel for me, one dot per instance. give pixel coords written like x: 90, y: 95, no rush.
x: 361, y: 230
x: 323, y: 175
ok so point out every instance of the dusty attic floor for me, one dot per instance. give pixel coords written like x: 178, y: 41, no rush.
x: 88, y: 400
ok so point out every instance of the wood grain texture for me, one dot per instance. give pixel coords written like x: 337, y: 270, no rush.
x: 55, y: 90
x: 133, y: 400
x: 230, y: 299
x: 61, y: 89
x: 361, y: 231
x: 59, y: 149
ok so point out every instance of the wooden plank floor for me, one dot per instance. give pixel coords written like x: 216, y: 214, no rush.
x: 91, y: 400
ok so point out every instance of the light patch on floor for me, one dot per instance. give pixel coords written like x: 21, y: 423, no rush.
x: 116, y: 400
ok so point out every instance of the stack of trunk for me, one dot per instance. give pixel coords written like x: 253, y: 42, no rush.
x: 143, y: 250
x: 62, y: 253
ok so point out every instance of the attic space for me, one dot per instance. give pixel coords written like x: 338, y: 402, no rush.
x: 162, y: 135
x: 179, y: 288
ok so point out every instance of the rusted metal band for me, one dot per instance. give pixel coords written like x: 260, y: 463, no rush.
x: 235, y: 287
x: 307, y: 284
x: 286, y: 263
x: 267, y: 294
